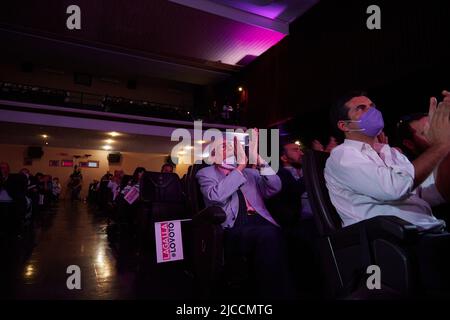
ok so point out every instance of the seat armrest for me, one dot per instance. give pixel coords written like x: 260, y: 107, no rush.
x: 377, y: 227
x: 212, y: 215
x: 398, y: 227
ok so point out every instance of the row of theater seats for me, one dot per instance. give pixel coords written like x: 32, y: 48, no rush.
x: 164, y: 196
x: 18, y: 218
x: 345, y: 253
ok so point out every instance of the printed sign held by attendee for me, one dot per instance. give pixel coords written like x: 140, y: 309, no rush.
x: 169, y: 244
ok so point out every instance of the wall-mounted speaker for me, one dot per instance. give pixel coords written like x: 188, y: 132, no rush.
x: 35, y: 152
x: 114, y: 157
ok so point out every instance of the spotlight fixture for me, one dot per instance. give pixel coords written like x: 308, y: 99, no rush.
x: 240, y: 89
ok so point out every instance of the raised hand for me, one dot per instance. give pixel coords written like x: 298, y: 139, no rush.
x: 239, y: 152
x: 253, y: 146
x: 439, y: 128
x: 316, y: 145
x: 332, y: 143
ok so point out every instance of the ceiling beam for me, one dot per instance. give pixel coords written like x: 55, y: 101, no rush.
x: 236, y: 14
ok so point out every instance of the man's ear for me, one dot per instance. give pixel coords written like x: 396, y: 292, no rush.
x: 342, y: 126
x: 408, y: 144
x: 283, y: 158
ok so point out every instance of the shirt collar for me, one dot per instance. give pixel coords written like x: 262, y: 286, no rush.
x: 361, y: 146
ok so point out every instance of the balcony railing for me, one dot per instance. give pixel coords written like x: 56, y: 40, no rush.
x: 89, y: 101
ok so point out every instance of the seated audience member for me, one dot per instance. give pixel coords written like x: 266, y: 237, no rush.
x: 167, y: 168
x: 366, y: 178
x: 291, y: 208
x: 250, y: 230
x: 332, y: 143
x: 115, y: 182
x: 291, y: 203
x: 48, y: 188
x: 410, y: 135
x: 106, y: 176
x: 134, y: 182
x: 93, y: 191
x: 128, y: 199
x: 413, y: 142
x: 56, y: 188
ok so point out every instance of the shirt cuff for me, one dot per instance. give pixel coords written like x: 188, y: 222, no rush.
x: 265, y: 169
x: 407, y: 169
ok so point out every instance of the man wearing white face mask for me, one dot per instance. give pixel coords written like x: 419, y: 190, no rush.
x: 250, y: 230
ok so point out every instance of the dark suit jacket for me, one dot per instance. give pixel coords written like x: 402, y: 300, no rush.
x: 287, y: 205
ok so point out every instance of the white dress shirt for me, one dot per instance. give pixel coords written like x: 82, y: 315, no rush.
x: 364, y: 183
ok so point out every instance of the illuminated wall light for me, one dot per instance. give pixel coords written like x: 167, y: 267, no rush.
x: 109, y: 141
x: 201, y: 141
x: 46, y: 143
x: 240, y: 89
x: 297, y: 142
x: 114, y: 134
x: 106, y: 147
x: 29, y: 271
x: 44, y: 136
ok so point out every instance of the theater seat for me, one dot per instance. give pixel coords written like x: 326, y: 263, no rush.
x: 206, y: 249
x: 161, y: 199
x: 215, y: 277
x: 163, y: 196
x: 346, y: 252
x: 104, y: 196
